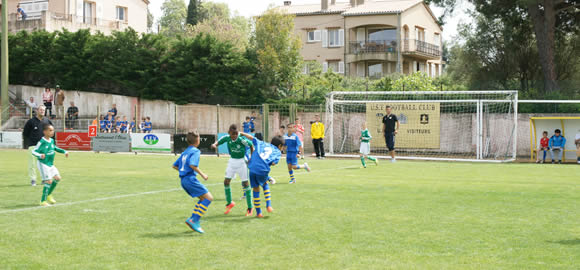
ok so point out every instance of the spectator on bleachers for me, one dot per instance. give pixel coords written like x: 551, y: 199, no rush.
x: 557, y: 143
x: 544, y: 147
x: 124, y: 125
x: 103, y: 124
x: 118, y: 124
x: 59, y: 102
x: 30, y: 107
x: 113, y: 111
x: 72, y: 114
x: 142, y: 125
x: 132, y: 126
x: 148, y: 125
x: 247, y: 125
x: 47, y: 99
x: 110, y: 123
x: 95, y: 122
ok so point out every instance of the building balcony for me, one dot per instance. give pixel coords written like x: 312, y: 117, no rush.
x: 383, y: 50
x: 421, y: 49
x: 51, y: 21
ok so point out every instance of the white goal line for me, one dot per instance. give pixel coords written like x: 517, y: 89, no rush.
x: 426, y: 101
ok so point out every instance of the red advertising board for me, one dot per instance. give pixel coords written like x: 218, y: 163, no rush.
x: 92, y: 131
x: 73, y: 141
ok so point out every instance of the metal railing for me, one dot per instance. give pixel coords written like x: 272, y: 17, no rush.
x: 415, y: 45
x: 58, y: 20
x: 373, y: 46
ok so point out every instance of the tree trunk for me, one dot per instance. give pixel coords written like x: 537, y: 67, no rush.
x: 545, y: 27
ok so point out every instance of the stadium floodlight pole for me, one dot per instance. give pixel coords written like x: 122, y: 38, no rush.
x: 4, y: 65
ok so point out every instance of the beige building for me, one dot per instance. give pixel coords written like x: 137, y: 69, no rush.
x: 369, y: 38
x: 98, y: 15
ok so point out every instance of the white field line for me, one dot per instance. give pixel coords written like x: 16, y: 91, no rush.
x: 135, y: 195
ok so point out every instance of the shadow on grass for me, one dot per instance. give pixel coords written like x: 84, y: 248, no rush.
x: 571, y: 242
x: 15, y: 186
x: 232, y: 218
x: 11, y: 207
x: 170, y: 235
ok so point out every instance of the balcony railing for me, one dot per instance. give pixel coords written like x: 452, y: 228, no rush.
x: 51, y: 21
x: 373, y: 46
x: 419, y: 46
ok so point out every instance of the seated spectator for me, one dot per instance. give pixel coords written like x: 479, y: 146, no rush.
x: 132, y: 126
x: 124, y: 125
x: 110, y: 123
x: 95, y: 122
x: 247, y: 125
x: 142, y: 125
x: 557, y: 143
x: 30, y: 107
x: 148, y: 125
x: 544, y: 142
x: 103, y: 124
x: 72, y: 114
x: 118, y: 124
x: 577, y: 141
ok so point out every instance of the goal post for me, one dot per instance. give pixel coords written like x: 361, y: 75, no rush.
x: 434, y: 125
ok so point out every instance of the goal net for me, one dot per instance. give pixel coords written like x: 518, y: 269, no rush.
x: 434, y: 125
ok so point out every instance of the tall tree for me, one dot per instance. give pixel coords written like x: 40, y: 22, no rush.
x: 172, y: 21
x: 150, y: 20
x: 278, y: 51
x: 193, y: 12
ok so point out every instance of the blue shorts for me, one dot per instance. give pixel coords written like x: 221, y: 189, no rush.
x: 390, y: 140
x: 291, y: 158
x: 258, y: 180
x: 193, y: 187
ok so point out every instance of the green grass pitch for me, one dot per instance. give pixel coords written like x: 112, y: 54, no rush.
x: 118, y: 211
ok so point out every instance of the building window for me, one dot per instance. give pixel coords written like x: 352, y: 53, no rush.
x: 88, y: 12
x: 382, y: 34
x: 375, y: 70
x: 335, y: 37
x: 437, y: 39
x: 313, y: 35
x: 121, y: 14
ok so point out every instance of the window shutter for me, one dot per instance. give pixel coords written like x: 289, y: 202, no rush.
x: 317, y: 35
x: 324, y: 67
x: 341, y: 67
x: 324, y: 38
x: 80, y: 8
x: 341, y: 37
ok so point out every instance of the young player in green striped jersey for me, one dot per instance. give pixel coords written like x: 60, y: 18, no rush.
x: 45, y: 151
x: 365, y: 145
x: 236, y: 165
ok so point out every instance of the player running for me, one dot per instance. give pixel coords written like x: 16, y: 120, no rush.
x: 293, y: 151
x: 45, y: 152
x: 188, y: 167
x: 236, y: 165
x: 264, y: 156
x: 365, y: 145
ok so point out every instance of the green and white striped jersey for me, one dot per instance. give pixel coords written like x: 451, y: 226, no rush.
x: 48, y: 148
x: 365, y: 136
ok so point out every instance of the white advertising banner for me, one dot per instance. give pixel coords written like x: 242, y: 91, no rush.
x: 11, y: 140
x: 151, y: 142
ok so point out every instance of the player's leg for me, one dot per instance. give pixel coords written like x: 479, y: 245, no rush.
x: 230, y: 174
x: 267, y: 197
x: 578, y: 152
x: 243, y: 174
x: 290, y: 169
x: 362, y: 160
x: 55, y: 182
x: 199, y: 210
x: 255, y: 183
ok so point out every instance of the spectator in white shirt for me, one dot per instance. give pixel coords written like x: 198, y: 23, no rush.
x: 30, y: 107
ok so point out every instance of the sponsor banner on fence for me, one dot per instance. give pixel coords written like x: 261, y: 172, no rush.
x: 206, y: 140
x: 112, y: 142
x: 73, y: 141
x: 11, y: 140
x: 151, y: 142
x: 420, y: 127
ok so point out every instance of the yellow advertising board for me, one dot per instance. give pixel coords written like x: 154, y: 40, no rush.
x: 420, y: 127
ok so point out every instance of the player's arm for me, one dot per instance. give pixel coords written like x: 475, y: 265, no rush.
x: 250, y: 137
x: 221, y: 141
x: 176, y: 164
x: 398, y: 126
x: 60, y: 150
x: 194, y: 165
x: 37, y: 152
x: 249, y: 144
x: 197, y: 170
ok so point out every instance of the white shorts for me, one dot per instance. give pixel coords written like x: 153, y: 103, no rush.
x: 47, y: 172
x: 239, y: 167
x: 365, y: 148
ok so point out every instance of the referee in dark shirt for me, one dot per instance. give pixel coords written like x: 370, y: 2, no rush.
x: 390, y: 131
x: 31, y: 134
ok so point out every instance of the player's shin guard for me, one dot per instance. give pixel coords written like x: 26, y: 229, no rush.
x: 228, y: 194
x: 45, y: 191
x: 247, y: 191
x: 257, y: 202
x: 362, y: 160
x: 291, y: 172
x: 200, y: 209
x: 267, y: 195
x: 371, y: 158
x: 53, y: 186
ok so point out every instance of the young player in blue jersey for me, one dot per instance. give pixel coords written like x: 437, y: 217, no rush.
x: 264, y: 156
x: 103, y: 124
x: 293, y: 151
x: 188, y: 167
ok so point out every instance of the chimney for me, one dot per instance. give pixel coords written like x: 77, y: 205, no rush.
x: 324, y: 4
x: 332, y: 2
x: 360, y: 2
x: 353, y: 3
x: 287, y: 3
